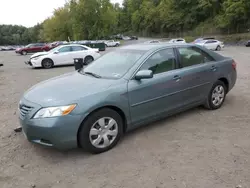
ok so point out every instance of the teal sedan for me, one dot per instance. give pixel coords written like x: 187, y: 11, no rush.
x: 93, y: 107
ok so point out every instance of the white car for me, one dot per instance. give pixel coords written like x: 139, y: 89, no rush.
x: 211, y: 44
x: 112, y: 43
x: 63, y: 55
x: 179, y: 40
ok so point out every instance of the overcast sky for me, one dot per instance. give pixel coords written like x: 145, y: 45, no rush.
x: 29, y: 12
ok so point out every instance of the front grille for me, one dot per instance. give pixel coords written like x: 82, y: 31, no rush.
x: 24, y: 109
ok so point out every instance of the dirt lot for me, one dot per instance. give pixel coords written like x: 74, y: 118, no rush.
x: 198, y: 148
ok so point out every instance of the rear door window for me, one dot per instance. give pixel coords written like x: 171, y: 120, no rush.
x: 190, y: 56
x: 78, y: 48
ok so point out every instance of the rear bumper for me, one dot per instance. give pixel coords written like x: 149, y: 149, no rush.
x: 232, y: 78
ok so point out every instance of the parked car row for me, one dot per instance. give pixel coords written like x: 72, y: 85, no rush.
x: 43, y: 47
x: 9, y: 48
x: 92, y: 108
x: 112, y: 43
x: 63, y: 55
x: 124, y: 37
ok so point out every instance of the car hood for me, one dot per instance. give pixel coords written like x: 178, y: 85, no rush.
x: 38, y: 54
x: 65, y: 89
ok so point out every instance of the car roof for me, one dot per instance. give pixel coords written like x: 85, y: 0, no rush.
x: 210, y: 40
x: 72, y: 45
x: 154, y: 46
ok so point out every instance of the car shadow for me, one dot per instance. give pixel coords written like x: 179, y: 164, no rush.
x: 58, y: 66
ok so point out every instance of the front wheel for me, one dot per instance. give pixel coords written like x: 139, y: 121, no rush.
x: 101, y: 131
x: 217, y: 96
x: 47, y: 63
x: 24, y: 53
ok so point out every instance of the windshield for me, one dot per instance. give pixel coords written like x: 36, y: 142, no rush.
x: 114, y: 64
x: 28, y: 46
x: 201, y: 41
x: 55, y: 49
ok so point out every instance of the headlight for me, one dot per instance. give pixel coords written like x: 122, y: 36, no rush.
x: 36, y: 58
x: 54, y: 111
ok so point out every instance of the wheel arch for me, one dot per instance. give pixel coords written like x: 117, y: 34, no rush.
x: 112, y: 107
x: 225, y: 81
x: 89, y: 55
x: 47, y: 58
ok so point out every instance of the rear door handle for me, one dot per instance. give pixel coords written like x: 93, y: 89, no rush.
x: 177, y: 77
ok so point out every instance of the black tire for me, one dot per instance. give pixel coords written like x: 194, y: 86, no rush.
x: 84, y: 132
x: 116, y: 45
x: 24, y: 53
x: 88, y: 60
x: 218, y: 48
x: 209, y: 103
x: 47, y: 63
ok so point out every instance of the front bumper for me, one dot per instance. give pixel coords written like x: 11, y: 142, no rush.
x: 28, y: 63
x: 58, y: 132
x: 33, y: 63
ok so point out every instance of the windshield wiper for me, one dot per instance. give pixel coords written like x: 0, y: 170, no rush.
x: 92, y: 74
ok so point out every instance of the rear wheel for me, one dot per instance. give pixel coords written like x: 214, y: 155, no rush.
x: 88, y: 60
x: 217, y: 96
x: 101, y: 131
x: 218, y: 48
x: 47, y: 63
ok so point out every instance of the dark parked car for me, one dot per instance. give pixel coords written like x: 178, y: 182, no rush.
x: 124, y: 89
x: 248, y: 43
x: 33, y: 48
x: 133, y: 37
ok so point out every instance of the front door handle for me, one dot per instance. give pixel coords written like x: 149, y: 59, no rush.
x: 177, y: 78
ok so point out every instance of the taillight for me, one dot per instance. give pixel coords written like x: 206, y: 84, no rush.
x: 234, y: 65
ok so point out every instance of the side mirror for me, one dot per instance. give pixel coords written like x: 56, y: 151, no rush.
x: 56, y: 52
x: 144, y: 74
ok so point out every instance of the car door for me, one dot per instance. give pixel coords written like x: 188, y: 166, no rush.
x: 62, y: 56
x: 197, y: 73
x: 151, y: 98
x: 77, y: 52
x: 36, y: 48
x: 208, y: 45
x: 30, y: 49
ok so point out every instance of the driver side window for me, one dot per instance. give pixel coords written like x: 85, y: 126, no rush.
x: 161, y: 61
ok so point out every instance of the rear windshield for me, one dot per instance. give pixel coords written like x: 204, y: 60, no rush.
x: 114, y: 64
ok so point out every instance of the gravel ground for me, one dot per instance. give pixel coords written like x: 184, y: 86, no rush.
x: 198, y: 148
